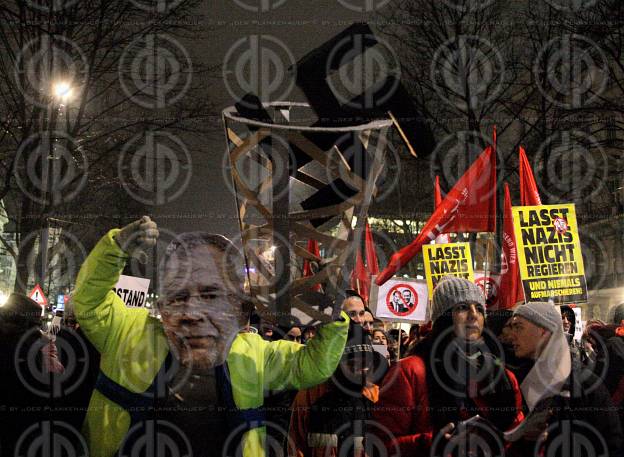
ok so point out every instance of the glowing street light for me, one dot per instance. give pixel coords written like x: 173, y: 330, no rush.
x: 62, y: 90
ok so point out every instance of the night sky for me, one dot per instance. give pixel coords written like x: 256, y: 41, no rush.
x: 208, y: 204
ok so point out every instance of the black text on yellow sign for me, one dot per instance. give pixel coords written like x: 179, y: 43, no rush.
x: 549, y: 253
x: 453, y: 259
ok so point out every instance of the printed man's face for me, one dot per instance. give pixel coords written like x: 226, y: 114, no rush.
x: 200, y: 315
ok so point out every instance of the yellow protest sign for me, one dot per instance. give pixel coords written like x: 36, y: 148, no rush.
x: 549, y: 253
x: 452, y: 259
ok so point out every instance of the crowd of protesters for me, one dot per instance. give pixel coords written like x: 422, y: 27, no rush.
x: 206, y: 378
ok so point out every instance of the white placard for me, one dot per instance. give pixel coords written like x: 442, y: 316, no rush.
x: 578, y: 323
x: 132, y: 290
x: 400, y: 300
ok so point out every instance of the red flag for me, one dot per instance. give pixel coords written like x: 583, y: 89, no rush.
x: 437, y: 201
x: 360, y: 279
x: 510, y: 291
x: 371, y: 255
x: 470, y: 206
x: 313, y: 248
x: 529, y: 195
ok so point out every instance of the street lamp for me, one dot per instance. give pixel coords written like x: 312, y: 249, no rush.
x: 62, y: 90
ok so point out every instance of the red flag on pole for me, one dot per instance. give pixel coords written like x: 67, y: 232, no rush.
x: 313, y: 248
x: 470, y: 206
x: 529, y: 195
x: 510, y: 291
x: 360, y: 279
x: 437, y: 201
x: 371, y: 255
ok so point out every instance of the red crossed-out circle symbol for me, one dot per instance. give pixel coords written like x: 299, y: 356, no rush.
x: 560, y: 224
x: 402, y: 299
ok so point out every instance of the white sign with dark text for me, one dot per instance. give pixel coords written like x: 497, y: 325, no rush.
x: 132, y: 290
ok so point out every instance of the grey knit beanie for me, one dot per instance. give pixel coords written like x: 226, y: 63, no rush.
x: 542, y: 314
x: 452, y: 290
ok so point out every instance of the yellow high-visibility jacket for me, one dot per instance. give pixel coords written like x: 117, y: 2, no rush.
x: 133, y: 348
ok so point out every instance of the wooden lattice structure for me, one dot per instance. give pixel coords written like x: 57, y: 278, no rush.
x: 295, y: 182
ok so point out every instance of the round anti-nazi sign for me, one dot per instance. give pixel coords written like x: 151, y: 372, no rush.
x: 402, y: 299
x: 561, y: 225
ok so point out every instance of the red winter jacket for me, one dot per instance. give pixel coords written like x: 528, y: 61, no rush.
x: 403, y: 408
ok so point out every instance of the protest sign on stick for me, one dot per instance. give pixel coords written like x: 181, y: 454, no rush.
x: 400, y: 300
x: 549, y: 253
x: 452, y: 259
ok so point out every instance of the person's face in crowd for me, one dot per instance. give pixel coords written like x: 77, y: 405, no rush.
x: 407, y: 296
x: 71, y: 322
x: 267, y: 333
x: 379, y: 338
x: 354, y: 307
x: 567, y: 324
x: 468, y: 320
x: 294, y: 334
x: 404, y: 337
x: 309, y: 334
x: 506, y: 335
x: 200, y: 316
x: 528, y: 339
x: 367, y: 322
x: 356, y: 369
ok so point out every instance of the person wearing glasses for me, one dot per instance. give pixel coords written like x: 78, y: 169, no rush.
x: 191, y: 377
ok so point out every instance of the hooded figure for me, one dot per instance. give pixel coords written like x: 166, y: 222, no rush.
x: 579, y: 410
x: 553, y: 365
x: 26, y: 386
x: 332, y: 418
x: 616, y: 314
x: 569, y: 322
x: 455, y: 373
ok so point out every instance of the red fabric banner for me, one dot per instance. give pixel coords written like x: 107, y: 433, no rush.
x: 470, y: 206
x: 510, y: 291
x: 529, y: 195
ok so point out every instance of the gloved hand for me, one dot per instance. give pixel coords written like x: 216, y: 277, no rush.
x: 134, y: 238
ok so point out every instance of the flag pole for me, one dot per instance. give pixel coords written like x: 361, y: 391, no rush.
x: 500, y: 210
